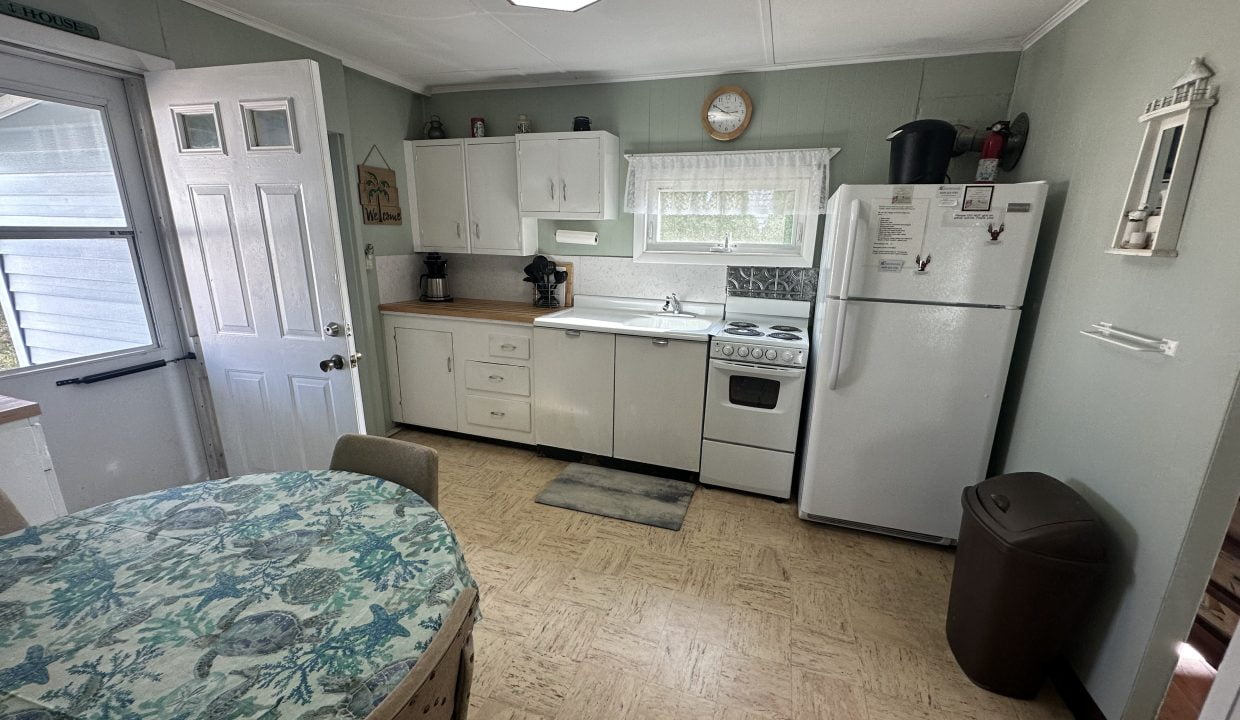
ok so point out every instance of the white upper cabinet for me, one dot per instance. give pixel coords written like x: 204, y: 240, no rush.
x: 442, y: 216
x: 491, y: 184
x: 466, y: 192
x: 569, y: 176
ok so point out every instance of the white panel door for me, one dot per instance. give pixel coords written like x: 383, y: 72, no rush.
x: 911, y: 419
x: 574, y: 386
x: 660, y: 391
x: 538, y: 163
x: 928, y: 249
x: 427, y: 376
x: 439, y: 171
x: 244, y: 149
x: 491, y: 176
x: 581, y: 163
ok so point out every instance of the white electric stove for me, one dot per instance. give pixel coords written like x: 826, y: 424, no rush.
x: 754, y: 389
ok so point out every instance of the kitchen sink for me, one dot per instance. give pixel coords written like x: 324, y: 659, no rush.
x: 668, y: 322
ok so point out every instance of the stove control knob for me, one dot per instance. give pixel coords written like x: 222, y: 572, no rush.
x: 771, y: 354
x: 742, y: 351
x: 788, y: 356
x: 728, y: 350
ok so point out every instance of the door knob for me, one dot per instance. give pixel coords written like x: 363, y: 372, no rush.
x: 332, y: 329
x: 335, y: 362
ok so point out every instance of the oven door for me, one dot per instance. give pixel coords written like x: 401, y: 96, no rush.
x: 753, y: 405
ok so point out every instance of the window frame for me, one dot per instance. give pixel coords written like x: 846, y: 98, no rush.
x: 128, y: 232
x: 647, y: 249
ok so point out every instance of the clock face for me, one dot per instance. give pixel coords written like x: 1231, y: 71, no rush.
x: 726, y: 113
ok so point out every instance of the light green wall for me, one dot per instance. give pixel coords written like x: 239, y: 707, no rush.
x: 193, y: 37
x: 382, y: 115
x: 852, y: 107
x: 1138, y: 435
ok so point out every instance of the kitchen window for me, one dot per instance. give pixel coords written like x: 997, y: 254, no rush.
x: 754, y: 208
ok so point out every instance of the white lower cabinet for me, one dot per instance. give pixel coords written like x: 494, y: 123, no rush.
x: 624, y: 396
x: 425, y: 376
x: 660, y: 389
x: 573, y: 389
x: 468, y: 376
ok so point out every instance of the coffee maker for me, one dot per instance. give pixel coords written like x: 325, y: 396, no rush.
x: 434, y: 282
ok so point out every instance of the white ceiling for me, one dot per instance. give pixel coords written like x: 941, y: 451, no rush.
x: 442, y: 45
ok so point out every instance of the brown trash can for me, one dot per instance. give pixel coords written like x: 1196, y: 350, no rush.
x: 1030, y: 554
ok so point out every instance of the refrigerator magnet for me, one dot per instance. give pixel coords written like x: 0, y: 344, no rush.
x: 949, y: 195
x: 977, y: 198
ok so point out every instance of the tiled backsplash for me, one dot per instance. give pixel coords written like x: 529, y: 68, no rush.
x: 773, y: 282
x: 497, y: 277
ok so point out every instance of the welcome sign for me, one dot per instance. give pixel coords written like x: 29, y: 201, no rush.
x: 376, y: 190
x: 50, y: 19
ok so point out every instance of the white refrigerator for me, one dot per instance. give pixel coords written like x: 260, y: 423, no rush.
x: 919, y: 298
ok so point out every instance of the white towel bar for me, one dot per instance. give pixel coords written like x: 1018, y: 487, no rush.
x: 1108, y: 333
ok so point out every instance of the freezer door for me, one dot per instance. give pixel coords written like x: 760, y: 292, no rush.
x: 911, y: 418
x: 957, y: 244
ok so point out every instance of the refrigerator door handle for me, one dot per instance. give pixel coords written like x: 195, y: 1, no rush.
x: 854, y: 219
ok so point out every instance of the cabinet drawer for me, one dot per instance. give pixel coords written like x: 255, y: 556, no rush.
x: 508, y: 346
x: 493, y: 377
x: 493, y: 412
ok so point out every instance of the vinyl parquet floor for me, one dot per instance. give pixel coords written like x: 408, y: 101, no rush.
x: 746, y: 613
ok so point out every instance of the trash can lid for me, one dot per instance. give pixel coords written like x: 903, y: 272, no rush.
x: 1038, y: 513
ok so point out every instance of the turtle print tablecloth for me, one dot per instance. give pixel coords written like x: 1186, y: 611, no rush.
x: 286, y: 595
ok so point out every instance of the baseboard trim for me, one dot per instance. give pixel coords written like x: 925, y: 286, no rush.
x: 1074, y: 693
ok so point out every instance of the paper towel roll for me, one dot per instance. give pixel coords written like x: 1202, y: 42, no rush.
x: 576, y: 237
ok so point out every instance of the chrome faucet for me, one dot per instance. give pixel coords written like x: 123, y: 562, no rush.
x: 673, y: 305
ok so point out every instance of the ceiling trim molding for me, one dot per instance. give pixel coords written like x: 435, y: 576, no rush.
x: 349, y: 61
x: 1052, y: 22
x: 1010, y: 45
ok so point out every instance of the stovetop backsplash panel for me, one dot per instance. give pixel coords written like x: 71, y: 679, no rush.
x: 778, y: 283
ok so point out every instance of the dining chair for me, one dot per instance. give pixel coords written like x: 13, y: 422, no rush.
x: 11, y: 519
x: 407, y: 464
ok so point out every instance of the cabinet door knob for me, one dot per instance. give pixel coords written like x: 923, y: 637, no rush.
x: 458, y: 230
x: 563, y: 190
x: 551, y: 188
x: 477, y: 231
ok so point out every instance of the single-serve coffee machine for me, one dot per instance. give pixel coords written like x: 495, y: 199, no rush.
x: 433, y: 284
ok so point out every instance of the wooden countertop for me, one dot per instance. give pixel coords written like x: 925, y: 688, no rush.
x: 13, y: 409
x: 501, y: 310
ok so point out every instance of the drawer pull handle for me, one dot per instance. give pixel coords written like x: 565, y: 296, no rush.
x: 496, y: 413
x: 495, y: 378
x: 659, y: 341
x: 573, y: 333
x: 507, y: 346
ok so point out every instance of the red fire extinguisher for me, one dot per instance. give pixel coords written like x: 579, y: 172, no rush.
x: 992, y: 150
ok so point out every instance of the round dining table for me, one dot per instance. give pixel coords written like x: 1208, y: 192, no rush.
x: 305, y: 594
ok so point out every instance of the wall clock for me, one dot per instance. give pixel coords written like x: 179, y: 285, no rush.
x: 727, y: 112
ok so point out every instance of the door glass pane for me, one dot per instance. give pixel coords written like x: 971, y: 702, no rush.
x: 269, y: 125
x: 200, y: 131
x: 66, y: 298
x: 56, y: 166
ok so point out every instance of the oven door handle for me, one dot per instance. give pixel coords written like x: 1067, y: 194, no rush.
x: 757, y: 370
x: 854, y: 219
